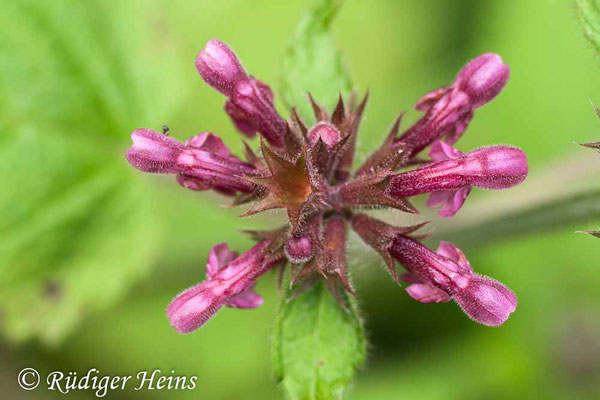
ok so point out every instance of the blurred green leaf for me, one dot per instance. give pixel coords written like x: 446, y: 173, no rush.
x: 588, y: 12
x: 317, y: 345
x: 313, y: 64
x: 580, y: 207
x: 75, y: 232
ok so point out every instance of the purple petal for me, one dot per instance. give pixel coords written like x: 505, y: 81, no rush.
x: 427, y: 294
x: 154, y: 152
x: 246, y: 299
x: 485, y: 300
x: 219, y: 257
x: 438, y: 198
x: 429, y: 100
x: 452, y: 200
x: 207, y: 141
x: 239, y: 119
x: 449, y: 250
x: 440, y: 151
x: 193, y: 183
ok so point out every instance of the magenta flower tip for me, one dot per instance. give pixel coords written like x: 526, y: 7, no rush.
x: 486, y: 301
x: 193, y: 307
x: 153, y: 152
x: 496, y: 167
x: 299, y: 249
x: 220, y: 67
x: 483, y: 78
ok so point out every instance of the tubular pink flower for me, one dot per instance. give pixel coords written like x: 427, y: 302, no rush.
x: 220, y: 67
x: 445, y: 275
x: 230, y: 282
x: 450, y: 109
x: 452, y: 175
x: 204, y: 162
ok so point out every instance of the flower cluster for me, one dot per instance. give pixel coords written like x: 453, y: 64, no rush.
x: 307, y: 171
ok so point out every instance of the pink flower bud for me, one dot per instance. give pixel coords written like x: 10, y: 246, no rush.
x: 439, y: 277
x: 483, y: 78
x: 485, y: 300
x: 452, y: 175
x: 325, y: 131
x: 251, y: 107
x: 298, y: 249
x: 219, y: 66
x: 154, y: 152
x: 230, y: 282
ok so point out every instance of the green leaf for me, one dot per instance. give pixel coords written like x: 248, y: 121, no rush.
x: 317, y: 346
x: 312, y: 63
x: 75, y: 232
x: 588, y: 12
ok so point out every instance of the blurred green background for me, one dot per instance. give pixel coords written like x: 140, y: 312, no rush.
x: 91, y: 251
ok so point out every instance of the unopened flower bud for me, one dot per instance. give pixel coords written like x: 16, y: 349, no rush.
x: 299, y: 249
x: 219, y: 66
x: 483, y: 78
x: 328, y: 133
